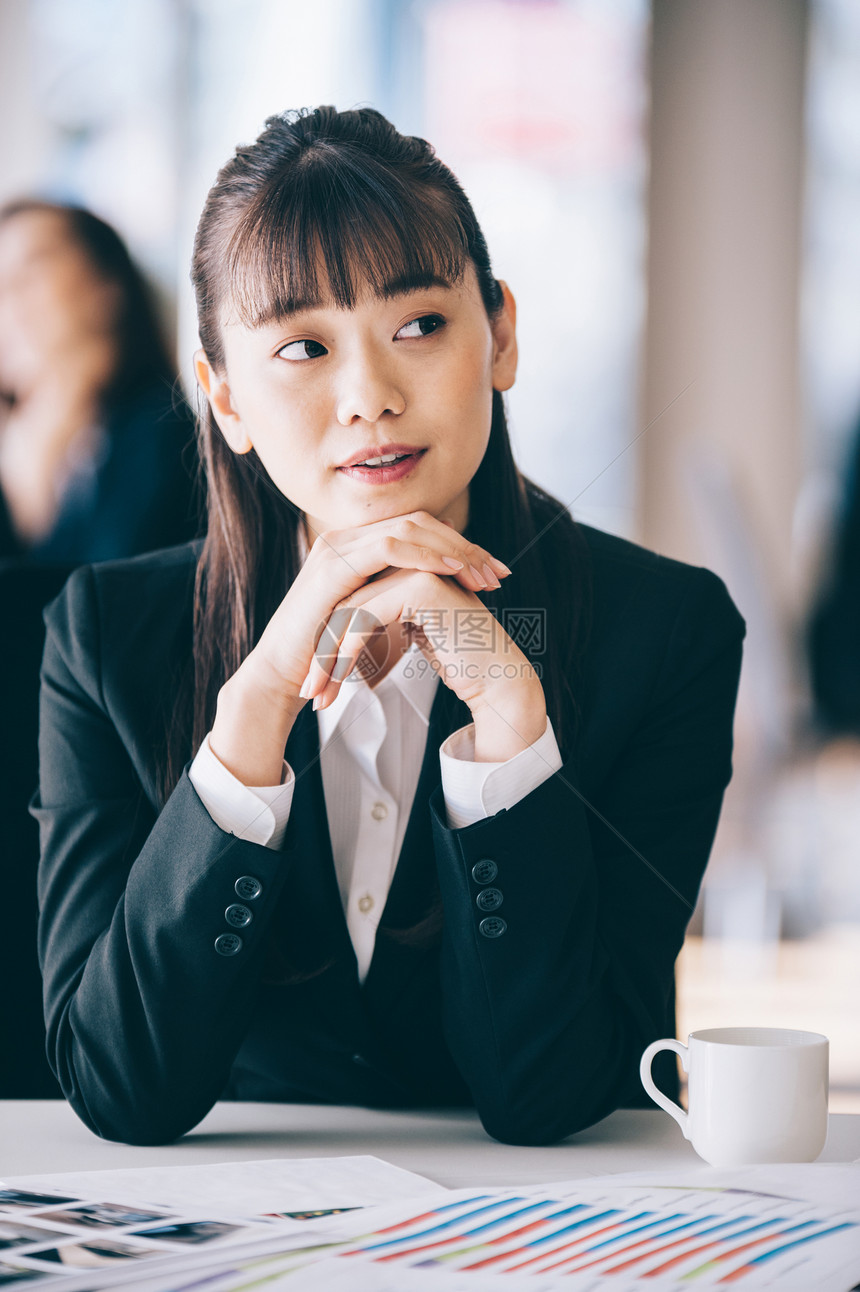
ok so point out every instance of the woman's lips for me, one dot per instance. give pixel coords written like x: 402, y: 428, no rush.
x: 386, y: 474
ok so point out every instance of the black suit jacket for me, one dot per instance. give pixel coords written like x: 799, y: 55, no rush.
x: 541, y: 1028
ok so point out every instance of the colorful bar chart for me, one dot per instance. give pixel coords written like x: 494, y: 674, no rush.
x: 634, y: 1237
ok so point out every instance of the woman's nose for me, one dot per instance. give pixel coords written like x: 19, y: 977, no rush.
x: 367, y: 388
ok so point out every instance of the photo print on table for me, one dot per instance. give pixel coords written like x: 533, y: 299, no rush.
x: 189, y: 1231
x: 14, y: 1198
x: 14, y: 1234
x: 307, y: 1215
x: 101, y: 1215
x: 10, y: 1275
x: 93, y: 1255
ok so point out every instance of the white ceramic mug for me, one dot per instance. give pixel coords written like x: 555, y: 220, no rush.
x: 755, y: 1094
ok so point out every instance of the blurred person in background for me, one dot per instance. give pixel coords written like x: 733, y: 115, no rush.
x: 96, y: 445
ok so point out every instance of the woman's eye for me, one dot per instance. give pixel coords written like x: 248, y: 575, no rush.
x: 423, y: 326
x: 298, y: 351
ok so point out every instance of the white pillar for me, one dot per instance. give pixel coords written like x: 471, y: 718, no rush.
x: 725, y: 202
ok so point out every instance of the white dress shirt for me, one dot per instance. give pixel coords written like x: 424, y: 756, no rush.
x: 372, y: 743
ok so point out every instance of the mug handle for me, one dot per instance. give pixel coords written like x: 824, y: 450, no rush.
x: 669, y: 1106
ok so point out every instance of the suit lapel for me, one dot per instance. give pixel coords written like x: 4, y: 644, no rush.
x: 312, y: 884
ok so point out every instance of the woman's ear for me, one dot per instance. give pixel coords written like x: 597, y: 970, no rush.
x: 505, y: 342
x: 217, y: 391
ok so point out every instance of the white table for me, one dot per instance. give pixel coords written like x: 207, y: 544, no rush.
x: 449, y: 1147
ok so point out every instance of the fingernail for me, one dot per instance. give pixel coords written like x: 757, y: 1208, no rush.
x: 317, y: 701
x: 491, y: 578
x: 454, y: 564
x: 500, y: 565
x: 306, y: 687
x: 341, y: 668
x: 477, y: 574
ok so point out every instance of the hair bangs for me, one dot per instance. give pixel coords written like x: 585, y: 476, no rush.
x: 335, y: 232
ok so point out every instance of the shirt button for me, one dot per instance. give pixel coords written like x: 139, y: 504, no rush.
x: 493, y: 927
x: 228, y: 944
x: 248, y: 888
x: 489, y: 899
x: 379, y: 811
x: 484, y: 871
x: 238, y: 916
x: 365, y: 903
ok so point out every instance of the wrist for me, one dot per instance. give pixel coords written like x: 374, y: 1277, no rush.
x: 258, y: 683
x: 506, y: 724
x: 252, y: 724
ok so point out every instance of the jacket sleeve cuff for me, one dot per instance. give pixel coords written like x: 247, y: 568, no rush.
x: 474, y: 791
x: 257, y: 813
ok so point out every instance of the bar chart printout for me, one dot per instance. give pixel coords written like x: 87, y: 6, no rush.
x: 621, y: 1233
x: 625, y: 1237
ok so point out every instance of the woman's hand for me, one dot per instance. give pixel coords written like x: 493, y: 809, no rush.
x: 343, y: 561
x: 258, y: 705
x: 461, y: 640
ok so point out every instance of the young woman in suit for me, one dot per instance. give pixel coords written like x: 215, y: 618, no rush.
x: 463, y: 873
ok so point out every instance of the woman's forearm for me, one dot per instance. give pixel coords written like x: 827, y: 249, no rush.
x: 253, y: 721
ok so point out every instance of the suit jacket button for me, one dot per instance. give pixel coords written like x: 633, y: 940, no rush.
x: 489, y: 899
x: 248, y: 888
x: 493, y: 926
x: 484, y: 871
x: 238, y: 916
x: 228, y: 944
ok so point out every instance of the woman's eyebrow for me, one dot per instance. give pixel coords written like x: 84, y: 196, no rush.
x: 403, y: 285
x: 406, y: 283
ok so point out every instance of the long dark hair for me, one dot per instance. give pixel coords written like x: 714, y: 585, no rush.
x: 345, y: 197
x: 143, y: 357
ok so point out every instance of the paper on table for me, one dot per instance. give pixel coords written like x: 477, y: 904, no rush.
x: 644, y: 1230
x: 245, y: 1188
x: 333, y: 1275
x: 769, y: 1227
x: 209, y: 1218
x: 834, y: 1185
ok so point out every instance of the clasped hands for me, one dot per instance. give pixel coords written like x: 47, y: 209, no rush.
x: 460, y: 638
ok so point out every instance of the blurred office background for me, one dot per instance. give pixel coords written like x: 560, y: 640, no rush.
x: 672, y: 190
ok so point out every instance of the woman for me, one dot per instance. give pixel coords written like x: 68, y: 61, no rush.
x: 465, y: 878
x: 96, y: 453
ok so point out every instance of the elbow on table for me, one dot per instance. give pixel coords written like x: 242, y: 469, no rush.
x: 144, y: 1131
x: 123, y: 1119
x: 538, y: 1128
x: 521, y: 1136
x: 124, y: 1125
x: 538, y: 1116
x: 128, y: 1103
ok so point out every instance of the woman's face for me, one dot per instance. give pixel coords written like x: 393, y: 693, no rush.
x: 52, y: 300
x: 313, y: 390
